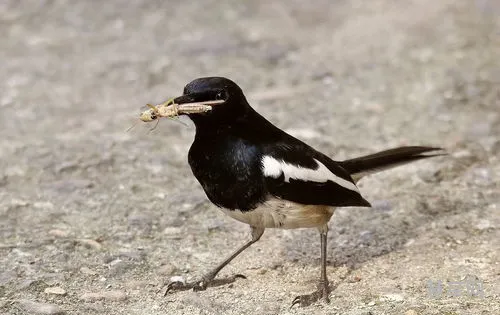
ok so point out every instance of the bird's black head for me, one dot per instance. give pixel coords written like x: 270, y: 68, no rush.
x: 212, y: 89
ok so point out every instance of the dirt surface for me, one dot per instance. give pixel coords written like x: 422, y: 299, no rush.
x: 94, y: 220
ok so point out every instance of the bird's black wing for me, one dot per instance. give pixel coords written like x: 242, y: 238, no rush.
x: 296, y: 172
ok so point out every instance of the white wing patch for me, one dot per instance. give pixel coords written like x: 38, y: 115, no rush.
x: 274, y: 168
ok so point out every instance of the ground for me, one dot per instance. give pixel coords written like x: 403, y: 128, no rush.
x: 95, y: 219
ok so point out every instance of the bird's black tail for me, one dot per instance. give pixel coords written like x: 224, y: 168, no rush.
x: 368, y: 164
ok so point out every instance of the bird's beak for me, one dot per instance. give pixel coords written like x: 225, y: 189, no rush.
x: 185, y: 99
x: 183, y: 105
x: 202, y: 98
x: 194, y: 103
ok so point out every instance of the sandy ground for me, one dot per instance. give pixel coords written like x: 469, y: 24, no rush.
x: 94, y: 220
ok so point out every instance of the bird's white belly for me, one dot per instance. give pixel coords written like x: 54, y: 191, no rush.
x: 278, y: 213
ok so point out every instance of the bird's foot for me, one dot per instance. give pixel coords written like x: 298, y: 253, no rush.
x: 322, y: 292
x: 180, y: 285
x: 200, y: 285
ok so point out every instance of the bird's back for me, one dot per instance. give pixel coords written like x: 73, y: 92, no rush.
x: 230, y: 163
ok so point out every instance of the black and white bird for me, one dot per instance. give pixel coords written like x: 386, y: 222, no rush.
x: 260, y: 175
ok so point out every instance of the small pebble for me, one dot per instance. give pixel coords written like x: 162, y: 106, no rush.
x: 32, y: 307
x: 160, y: 195
x: 19, y: 203
x: 115, y: 262
x: 105, y: 295
x: 88, y: 271
x: 55, y: 290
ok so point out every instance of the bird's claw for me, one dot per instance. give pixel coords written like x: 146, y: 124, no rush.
x: 184, y: 286
x: 308, y: 299
x: 200, y: 285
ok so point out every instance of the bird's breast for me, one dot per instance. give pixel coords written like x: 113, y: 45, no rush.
x: 229, y: 172
x: 278, y: 213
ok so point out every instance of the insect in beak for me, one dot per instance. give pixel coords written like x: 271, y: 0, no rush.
x: 172, y: 110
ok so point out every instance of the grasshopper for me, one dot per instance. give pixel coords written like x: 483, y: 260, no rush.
x: 171, y: 110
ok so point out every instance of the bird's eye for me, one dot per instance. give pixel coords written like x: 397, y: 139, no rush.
x: 220, y: 95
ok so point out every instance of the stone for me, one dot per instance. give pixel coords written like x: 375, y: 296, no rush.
x: 58, y: 233
x: 32, y: 307
x: 45, y: 205
x: 55, y: 291
x: 87, y: 271
x: 172, y: 230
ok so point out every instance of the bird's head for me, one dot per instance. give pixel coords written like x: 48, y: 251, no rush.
x: 214, y: 89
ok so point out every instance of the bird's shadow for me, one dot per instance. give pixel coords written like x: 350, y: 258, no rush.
x: 217, y: 282
x: 358, y: 235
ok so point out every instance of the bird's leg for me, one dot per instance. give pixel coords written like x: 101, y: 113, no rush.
x: 323, y: 289
x: 208, y: 278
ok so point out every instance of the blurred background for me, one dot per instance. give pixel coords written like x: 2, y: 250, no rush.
x: 94, y: 219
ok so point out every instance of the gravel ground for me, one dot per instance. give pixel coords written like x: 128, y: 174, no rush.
x: 94, y: 219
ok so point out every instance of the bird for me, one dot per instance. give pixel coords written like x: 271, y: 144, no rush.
x: 260, y: 175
